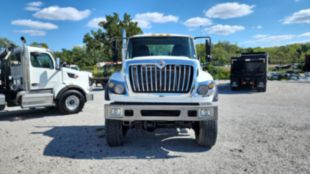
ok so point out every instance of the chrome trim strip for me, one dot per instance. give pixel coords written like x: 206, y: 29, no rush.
x: 133, y: 80
x: 174, y: 77
x: 137, y: 79
x: 189, y: 75
x: 179, y: 81
x: 146, y: 79
x: 151, y: 69
x: 142, y: 84
x: 160, y: 79
x: 184, y: 76
x: 170, y: 78
x: 156, y: 89
x: 165, y: 80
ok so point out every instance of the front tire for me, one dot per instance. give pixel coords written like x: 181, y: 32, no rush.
x: 114, y: 132
x: 71, y: 102
x: 106, y: 93
x: 261, y: 89
x: 206, y: 133
x: 234, y: 88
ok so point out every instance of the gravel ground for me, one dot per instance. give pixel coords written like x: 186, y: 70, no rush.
x: 258, y: 133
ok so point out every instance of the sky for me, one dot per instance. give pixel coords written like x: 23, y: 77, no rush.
x: 248, y: 23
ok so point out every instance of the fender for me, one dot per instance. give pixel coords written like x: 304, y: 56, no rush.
x: 70, y: 87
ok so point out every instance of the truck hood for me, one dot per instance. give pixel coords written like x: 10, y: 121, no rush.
x: 80, y: 73
x: 181, y: 60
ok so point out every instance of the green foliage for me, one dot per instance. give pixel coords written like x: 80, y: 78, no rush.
x: 78, y: 56
x: 223, y: 51
x: 107, y: 70
x: 98, y: 44
x: 5, y: 42
x: 219, y: 72
x: 102, y: 39
x: 36, y: 44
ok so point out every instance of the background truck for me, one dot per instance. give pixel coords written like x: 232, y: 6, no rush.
x: 103, y: 71
x: 30, y: 78
x: 161, y: 85
x: 249, y: 69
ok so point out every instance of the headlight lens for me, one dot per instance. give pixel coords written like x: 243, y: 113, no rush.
x: 202, y: 90
x: 205, y: 88
x: 119, y: 89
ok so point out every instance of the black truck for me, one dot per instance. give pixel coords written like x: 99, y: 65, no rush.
x: 249, y: 70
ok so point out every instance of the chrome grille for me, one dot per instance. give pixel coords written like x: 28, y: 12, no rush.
x: 168, y: 79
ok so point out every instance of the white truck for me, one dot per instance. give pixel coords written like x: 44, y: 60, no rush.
x: 30, y: 77
x: 161, y: 85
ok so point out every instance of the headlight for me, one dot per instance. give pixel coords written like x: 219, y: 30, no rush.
x: 119, y: 89
x: 205, y: 88
x: 202, y: 90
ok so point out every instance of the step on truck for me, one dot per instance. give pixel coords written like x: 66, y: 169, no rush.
x: 31, y: 78
x: 161, y: 85
x: 249, y: 70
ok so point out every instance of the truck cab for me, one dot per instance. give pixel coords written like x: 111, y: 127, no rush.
x: 31, y: 78
x: 161, y: 84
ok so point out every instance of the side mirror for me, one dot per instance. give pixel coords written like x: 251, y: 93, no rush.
x: 58, y: 66
x: 208, y: 50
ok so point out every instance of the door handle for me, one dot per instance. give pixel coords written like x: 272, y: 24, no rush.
x: 34, y: 84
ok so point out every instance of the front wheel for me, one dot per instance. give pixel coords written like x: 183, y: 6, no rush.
x: 115, y: 131
x: 106, y: 92
x: 261, y: 89
x: 72, y: 101
x: 234, y: 88
x: 206, y: 133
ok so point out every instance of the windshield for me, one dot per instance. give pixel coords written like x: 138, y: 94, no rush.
x: 160, y: 46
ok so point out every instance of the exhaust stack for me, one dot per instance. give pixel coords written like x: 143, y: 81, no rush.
x: 25, y: 65
x: 124, y: 44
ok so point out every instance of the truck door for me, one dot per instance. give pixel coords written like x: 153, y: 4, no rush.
x: 43, y: 74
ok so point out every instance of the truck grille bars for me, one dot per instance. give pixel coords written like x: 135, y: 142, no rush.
x: 168, y: 79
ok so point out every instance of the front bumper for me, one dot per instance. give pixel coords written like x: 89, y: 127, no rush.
x: 90, y: 97
x: 117, y: 112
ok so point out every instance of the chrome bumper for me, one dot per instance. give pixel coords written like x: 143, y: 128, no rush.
x: 90, y: 97
x: 117, y: 112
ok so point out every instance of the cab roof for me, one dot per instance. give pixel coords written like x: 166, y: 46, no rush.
x: 160, y: 35
x: 39, y: 49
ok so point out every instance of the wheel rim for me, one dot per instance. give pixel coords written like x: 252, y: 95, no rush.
x: 72, y: 102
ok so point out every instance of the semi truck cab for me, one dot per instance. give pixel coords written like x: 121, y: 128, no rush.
x: 31, y: 78
x: 161, y: 85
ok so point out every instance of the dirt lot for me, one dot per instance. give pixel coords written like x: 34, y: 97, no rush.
x: 258, y: 133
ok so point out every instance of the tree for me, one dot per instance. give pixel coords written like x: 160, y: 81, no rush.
x: 102, y: 39
x: 4, y: 42
x: 36, y: 44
